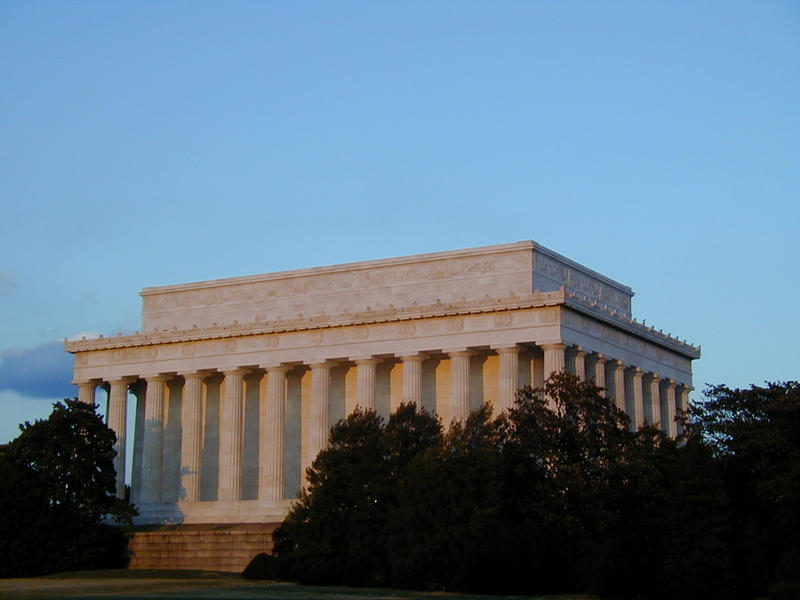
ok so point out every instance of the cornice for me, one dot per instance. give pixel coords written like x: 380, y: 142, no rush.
x: 560, y: 297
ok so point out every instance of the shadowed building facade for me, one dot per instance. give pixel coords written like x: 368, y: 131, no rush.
x: 237, y: 381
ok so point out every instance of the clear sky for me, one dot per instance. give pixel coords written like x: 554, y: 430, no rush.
x: 147, y: 143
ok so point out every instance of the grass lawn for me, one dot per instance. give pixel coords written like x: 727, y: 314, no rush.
x: 153, y: 585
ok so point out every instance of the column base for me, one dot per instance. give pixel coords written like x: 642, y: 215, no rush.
x: 242, y: 511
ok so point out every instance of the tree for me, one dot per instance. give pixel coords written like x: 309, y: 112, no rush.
x: 336, y: 533
x: 58, y: 495
x: 754, y: 435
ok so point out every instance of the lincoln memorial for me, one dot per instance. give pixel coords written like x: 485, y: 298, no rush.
x: 236, y: 382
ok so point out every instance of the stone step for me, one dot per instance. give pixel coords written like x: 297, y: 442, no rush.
x: 223, y: 547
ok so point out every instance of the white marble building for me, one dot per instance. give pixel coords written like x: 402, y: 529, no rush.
x: 237, y: 381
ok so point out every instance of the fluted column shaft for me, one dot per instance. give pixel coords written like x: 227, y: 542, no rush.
x: 271, y: 471
x: 553, y: 359
x: 580, y: 364
x: 153, y: 439
x: 412, y: 379
x: 191, y: 435
x: 318, y: 424
x: 655, y: 400
x: 459, y: 385
x: 619, y: 385
x: 508, y: 377
x: 600, y: 373
x: 672, y: 425
x: 554, y: 362
x: 365, y: 382
x: 86, y: 391
x: 117, y: 422
x: 638, y: 398
x: 230, y: 437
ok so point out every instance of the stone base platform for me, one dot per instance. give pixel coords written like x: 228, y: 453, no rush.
x: 209, y: 547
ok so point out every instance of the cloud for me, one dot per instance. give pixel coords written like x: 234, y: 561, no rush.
x: 41, y: 372
x: 8, y: 282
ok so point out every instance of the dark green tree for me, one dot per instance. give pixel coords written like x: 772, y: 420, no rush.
x: 337, y: 532
x: 754, y: 435
x: 57, y: 499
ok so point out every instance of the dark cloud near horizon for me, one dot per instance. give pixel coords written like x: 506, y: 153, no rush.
x: 41, y: 372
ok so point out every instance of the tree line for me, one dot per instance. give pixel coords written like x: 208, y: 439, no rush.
x: 558, y: 494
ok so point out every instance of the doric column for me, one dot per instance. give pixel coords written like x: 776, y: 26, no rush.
x: 412, y: 378
x: 600, y: 373
x: 638, y: 398
x: 117, y: 422
x: 230, y: 437
x: 459, y: 384
x: 86, y: 391
x: 153, y: 439
x: 365, y: 382
x: 672, y: 425
x: 580, y: 363
x: 553, y: 359
x: 318, y: 411
x: 271, y: 454
x: 508, y: 377
x: 191, y: 435
x: 655, y: 400
x: 684, y: 404
x: 619, y: 385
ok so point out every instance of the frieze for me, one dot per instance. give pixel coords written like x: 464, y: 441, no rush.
x: 601, y: 314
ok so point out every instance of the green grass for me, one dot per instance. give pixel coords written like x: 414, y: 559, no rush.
x: 208, y: 585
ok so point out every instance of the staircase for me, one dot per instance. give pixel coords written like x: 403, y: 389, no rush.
x: 225, y: 547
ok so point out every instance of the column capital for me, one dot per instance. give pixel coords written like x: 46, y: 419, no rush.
x: 126, y: 380
x: 154, y: 377
x: 553, y: 346
x: 599, y: 356
x: 671, y: 383
x: 278, y: 368
x: 458, y: 352
x: 193, y: 374
x: 637, y: 372
x: 325, y: 364
x: 654, y: 376
x: 514, y: 348
x: 419, y: 356
x: 367, y: 360
x: 235, y: 371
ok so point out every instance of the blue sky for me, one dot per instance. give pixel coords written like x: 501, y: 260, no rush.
x: 149, y: 143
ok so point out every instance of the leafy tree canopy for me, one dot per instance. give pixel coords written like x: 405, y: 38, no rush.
x: 58, y: 495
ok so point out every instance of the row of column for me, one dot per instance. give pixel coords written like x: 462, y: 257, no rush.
x: 271, y: 450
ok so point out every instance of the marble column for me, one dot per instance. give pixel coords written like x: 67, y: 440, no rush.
x: 672, y: 425
x: 117, y: 422
x: 86, y: 391
x: 655, y: 400
x: 365, y: 382
x: 638, y: 398
x: 619, y: 385
x: 318, y: 420
x: 191, y: 436
x: 554, y: 362
x: 553, y: 359
x: 153, y: 439
x: 459, y: 384
x: 684, y: 405
x: 580, y: 363
x: 600, y: 373
x: 508, y: 378
x: 412, y: 379
x: 271, y: 453
x: 231, y: 429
